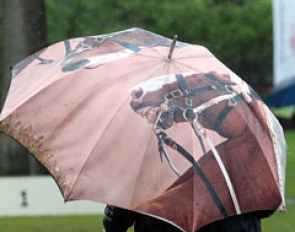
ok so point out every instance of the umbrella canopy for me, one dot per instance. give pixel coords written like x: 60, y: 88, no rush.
x: 139, y: 121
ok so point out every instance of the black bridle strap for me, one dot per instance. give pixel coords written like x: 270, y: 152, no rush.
x: 188, y: 93
x: 195, y: 91
x: 222, y: 115
x: 191, y: 92
x: 171, y: 143
x: 182, y: 84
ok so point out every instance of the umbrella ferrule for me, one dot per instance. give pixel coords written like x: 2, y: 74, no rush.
x: 169, y: 57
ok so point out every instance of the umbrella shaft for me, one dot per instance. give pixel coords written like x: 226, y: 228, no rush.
x: 169, y: 57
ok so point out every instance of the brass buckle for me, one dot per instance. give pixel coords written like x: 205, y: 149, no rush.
x: 176, y: 93
x: 228, y: 88
x: 188, y: 102
x: 232, y: 102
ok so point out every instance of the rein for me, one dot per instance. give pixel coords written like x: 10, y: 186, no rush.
x: 163, y: 138
x: 190, y: 114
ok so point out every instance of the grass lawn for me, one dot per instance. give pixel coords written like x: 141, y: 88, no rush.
x: 290, y: 170
x: 282, y: 222
x: 52, y: 223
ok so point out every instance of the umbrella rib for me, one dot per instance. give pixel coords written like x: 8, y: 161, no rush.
x: 185, y: 65
x: 145, y: 151
x: 252, y: 109
x: 93, y: 149
x: 180, y: 51
x: 109, y: 123
x: 129, y: 52
x: 81, y: 103
x: 143, y: 158
x: 191, y: 46
x: 278, y: 163
x: 23, y: 102
x: 177, y: 64
x: 157, y: 52
x: 194, y: 57
x: 69, y: 116
x: 167, y: 71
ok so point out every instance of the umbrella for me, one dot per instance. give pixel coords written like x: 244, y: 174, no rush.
x: 147, y: 123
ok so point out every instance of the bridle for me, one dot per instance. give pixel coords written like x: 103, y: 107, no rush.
x: 190, y: 114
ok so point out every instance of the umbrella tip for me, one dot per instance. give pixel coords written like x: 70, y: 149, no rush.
x: 169, y: 57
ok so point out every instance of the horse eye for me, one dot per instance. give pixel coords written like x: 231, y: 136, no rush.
x: 138, y: 93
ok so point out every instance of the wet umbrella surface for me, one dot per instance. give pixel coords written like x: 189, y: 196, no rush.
x: 139, y: 121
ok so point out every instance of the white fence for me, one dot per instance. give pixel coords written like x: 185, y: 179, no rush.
x: 29, y: 196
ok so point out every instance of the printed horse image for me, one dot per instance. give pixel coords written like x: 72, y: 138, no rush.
x: 90, y: 53
x: 96, y: 50
x: 93, y: 51
x: 213, y: 101
x: 154, y: 95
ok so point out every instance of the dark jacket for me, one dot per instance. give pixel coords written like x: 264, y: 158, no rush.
x: 240, y: 223
x: 119, y: 220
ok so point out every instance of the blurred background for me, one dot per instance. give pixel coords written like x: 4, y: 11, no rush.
x: 255, y: 38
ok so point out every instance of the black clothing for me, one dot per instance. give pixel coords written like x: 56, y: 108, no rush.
x: 119, y: 220
x: 240, y: 223
x: 145, y: 223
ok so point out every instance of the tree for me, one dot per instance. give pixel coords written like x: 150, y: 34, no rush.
x: 24, y: 32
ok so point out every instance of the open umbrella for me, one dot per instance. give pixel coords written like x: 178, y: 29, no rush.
x: 139, y: 121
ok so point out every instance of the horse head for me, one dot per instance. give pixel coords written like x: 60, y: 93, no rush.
x: 177, y: 98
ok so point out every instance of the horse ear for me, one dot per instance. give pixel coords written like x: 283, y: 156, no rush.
x: 222, y: 78
x: 226, y: 75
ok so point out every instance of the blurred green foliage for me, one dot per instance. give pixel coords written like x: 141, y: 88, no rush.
x: 239, y: 33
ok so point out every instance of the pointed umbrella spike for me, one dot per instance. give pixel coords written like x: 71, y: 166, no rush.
x: 169, y: 57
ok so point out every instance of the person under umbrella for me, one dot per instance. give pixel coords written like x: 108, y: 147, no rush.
x: 119, y: 220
